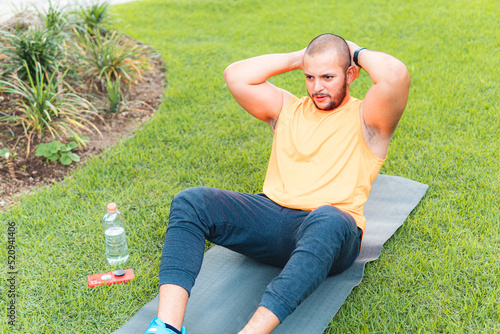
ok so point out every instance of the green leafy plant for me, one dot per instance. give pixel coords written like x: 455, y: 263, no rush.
x: 23, y: 50
x: 46, y: 104
x: 111, y: 56
x: 55, y: 151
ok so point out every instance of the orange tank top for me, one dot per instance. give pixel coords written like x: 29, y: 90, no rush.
x: 321, y: 158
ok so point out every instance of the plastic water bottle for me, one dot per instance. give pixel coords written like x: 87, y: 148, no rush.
x: 114, y: 233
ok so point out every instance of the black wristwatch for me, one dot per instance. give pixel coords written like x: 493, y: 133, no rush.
x: 355, y: 57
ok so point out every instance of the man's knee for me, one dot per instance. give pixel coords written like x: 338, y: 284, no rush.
x: 189, y: 196
x: 188, y: 206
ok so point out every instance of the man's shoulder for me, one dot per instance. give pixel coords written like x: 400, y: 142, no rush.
x: 296, y: 102
x: 292, y: 102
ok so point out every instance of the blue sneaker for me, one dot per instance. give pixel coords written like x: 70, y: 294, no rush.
x: 158, y: 327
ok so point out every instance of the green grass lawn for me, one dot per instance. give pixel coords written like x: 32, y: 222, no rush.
x: 438, y: 274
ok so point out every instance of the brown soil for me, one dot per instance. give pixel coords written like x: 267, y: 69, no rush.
x: 31, y: 172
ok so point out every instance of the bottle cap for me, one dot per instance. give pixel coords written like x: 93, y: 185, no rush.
x: 111, y: 207
x: 119, y: 273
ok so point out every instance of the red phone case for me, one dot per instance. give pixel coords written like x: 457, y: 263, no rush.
x: 109, y: 278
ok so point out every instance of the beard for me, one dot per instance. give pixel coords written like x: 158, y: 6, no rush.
x: 334, y: 101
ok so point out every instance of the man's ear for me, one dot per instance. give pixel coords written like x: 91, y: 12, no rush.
x: 352, y: 73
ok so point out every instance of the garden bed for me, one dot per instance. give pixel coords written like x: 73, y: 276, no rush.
x: 32, y: 172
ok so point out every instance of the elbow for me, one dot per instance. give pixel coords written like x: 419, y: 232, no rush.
x: 394, y: 74
x: 229, y: 74
x: 400, y: 75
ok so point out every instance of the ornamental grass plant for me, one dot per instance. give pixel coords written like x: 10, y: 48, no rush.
x: 111, y: 57
x: 57, y: 18
x: 94, y: 16
x: 115, y: 95
x: 24, y: 50
x: 46, y: 104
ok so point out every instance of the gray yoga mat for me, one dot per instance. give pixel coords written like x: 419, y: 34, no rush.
x: 229, y: 286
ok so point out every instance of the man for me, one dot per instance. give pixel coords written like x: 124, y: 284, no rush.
x: 327, y: 150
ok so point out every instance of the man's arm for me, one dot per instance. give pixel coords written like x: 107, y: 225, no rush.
x: 386, y: 99
x: 247, y: 81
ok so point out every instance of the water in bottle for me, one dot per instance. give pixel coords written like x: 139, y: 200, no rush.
x: 114, y: 232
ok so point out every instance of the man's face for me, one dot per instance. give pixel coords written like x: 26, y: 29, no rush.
x: 326, y: 81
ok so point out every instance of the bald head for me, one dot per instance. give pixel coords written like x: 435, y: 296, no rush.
x: 330, y: 43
